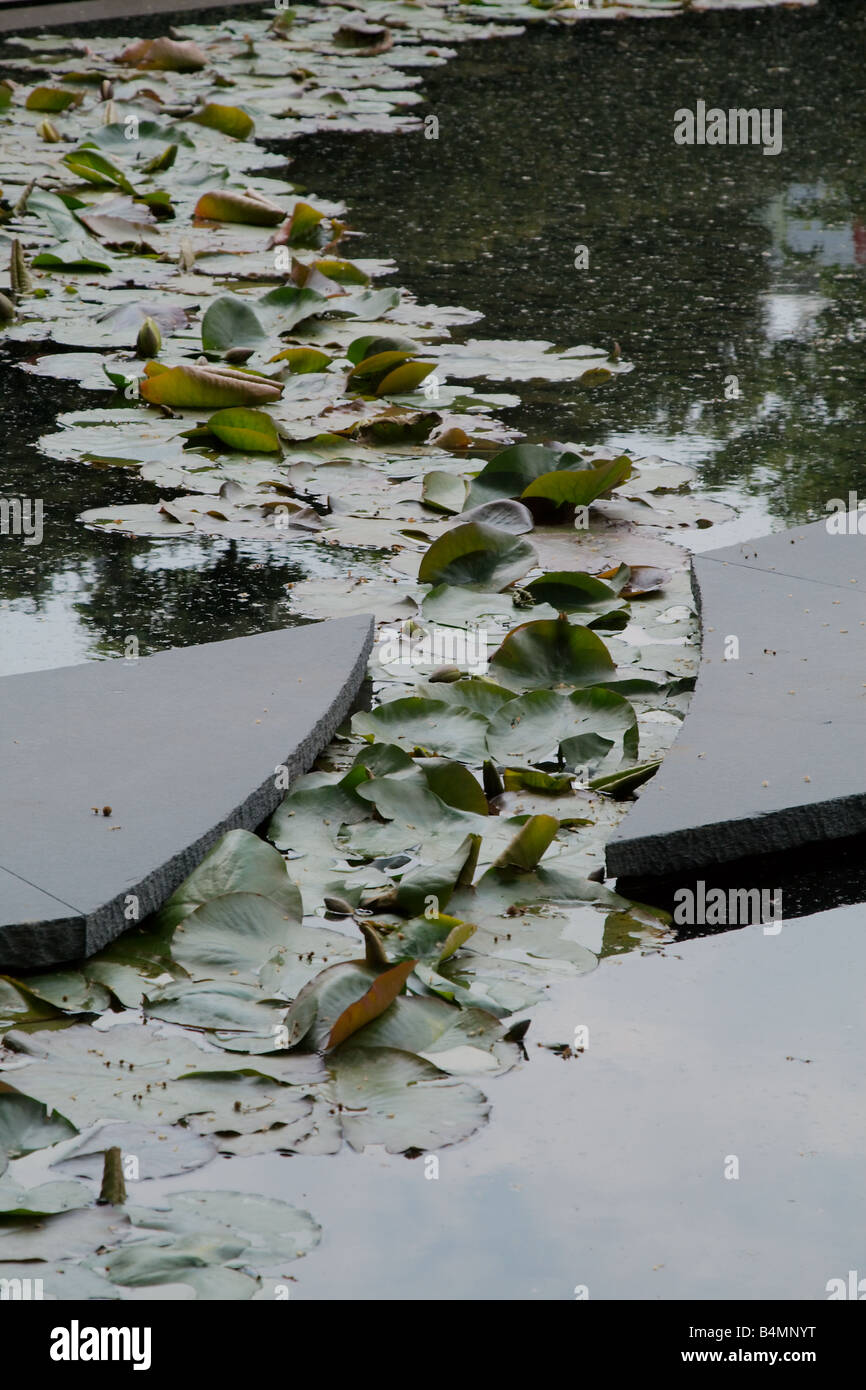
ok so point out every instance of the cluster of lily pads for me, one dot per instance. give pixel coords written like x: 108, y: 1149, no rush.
x: 350, y: 981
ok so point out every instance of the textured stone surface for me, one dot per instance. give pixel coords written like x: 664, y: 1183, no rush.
x: 771, y: 753
x: 17, y: 18
x: 182, y: 746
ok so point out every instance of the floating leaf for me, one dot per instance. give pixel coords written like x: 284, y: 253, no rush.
x: 46, y: 1200
x: 239, y: 862
x: 207, y: 387
x: 323, y: 1000
x: 95, y: 168
x: 51, y: 99
x: 432, y: 939
x: 432, y: 725
x: 391, y: 1097
x: 230, y: 120
x: 477, y: 557
x: 302, y: 360
x: 531, y: 780
x: 214, y: 1004
x: 70, y: 255
x: 454, y: 784
x: 343, y: 272
x: 529, y: 844
x: 164, y: 55
x: 26, y: 1124
x: 578, y: 487
x: 232, y: 935
x: 250, y: 430
x: 230, y: 323
x: 160, y: 1152
x: 238, y: 207
x: 571, y: 590
x: 551, y: 652
x: 444, y: 492
x: 624, y: 782
x: 242, y: 1229
x: 302, y: 228
x: 371, y: 346
x: 404, y: 378
x: 382, y: 992
x: 289, y: 305
x: 605, y: 713
x: 511, y: 471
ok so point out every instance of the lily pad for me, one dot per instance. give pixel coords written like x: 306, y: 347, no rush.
x: 158, y: 1152
x: 26, y: 1124
x: 249, y: 430
x: 230, y: 120
x: 230, y: 323
x: 206, y: 387
x: 432, y: 725
x: 551, y: 652
x: 239, y: 862
x: 477, y: 556
x: 387, y: 1096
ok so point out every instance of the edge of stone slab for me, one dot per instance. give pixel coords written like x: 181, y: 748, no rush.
x: 31, y: 944
x: 726, y: 841
x: 91, y: 13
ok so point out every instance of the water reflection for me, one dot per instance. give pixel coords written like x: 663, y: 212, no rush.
x: 705, y: 263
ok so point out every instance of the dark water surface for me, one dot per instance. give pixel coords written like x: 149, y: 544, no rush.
x: 703, y: 262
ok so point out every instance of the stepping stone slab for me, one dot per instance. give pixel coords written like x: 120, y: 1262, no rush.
x: 771, y: 752
x: 182, y: 746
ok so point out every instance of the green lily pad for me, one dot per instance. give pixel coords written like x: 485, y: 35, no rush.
x: 229, y: 120
x: 251, y: 431
x: 477, y: 557
x: 92, y: 167
x: 160, y: 1152
x: 239, y: 862
x: 569, y: 591
x: 50, y: 99
x: 70, y: 255
x: 393, y: 1098
x: 432, y: 725
x: 26, y: 1124
x: 227, y: 206
x: 238, y: 1229
x: 206, y: 387
x: 626, y: 780
x: 228, y: 323
x: 579, y: 487
x: 456, y: 786
x: 444, y: 492
x: 47, y: 1199
x: 511, y: 471
x: 551, y: 652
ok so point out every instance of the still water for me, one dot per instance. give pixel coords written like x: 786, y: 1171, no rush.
x: 612, y: 1170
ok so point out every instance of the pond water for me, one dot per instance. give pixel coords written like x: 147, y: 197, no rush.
x: 704, y: 263
x: 607, y: 1170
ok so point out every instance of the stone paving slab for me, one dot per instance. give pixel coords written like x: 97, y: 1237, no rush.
x: 771, y: 753
x: 181, y: 746
x: 16, y: 18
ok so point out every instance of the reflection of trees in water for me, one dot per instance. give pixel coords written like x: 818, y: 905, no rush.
x: 168, y: 593
x: 549, y: 141
x: 221, y: 590
x: 558, y: 139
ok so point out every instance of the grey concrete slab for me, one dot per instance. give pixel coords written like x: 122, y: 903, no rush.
x: 181, y: 746
x: 19, y: 19
x: 771, y: 753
